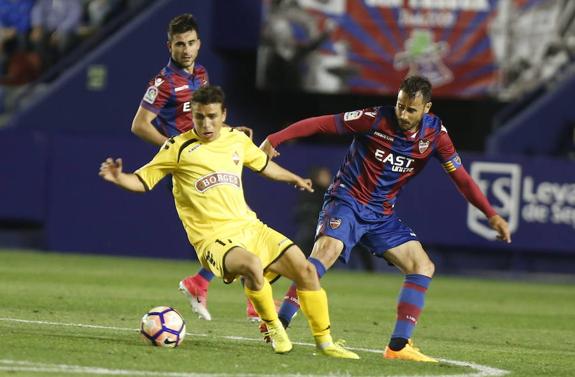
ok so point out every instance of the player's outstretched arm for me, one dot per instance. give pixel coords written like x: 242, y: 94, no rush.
x: 277, y: 173
x: 111, y: 171
x: 467, y: 186
x: 143, y: 128
x: 306, y: 127
x: 498, y: 224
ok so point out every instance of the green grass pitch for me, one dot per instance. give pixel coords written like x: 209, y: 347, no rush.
x: 72, y: 315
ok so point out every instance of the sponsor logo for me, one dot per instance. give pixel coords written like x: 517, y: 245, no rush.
x: 501, y: 184
x: 423, y: 145
x: 194, y: 147
x: 352, y: 115
x: 215, y: 179
x: 236, y: 158
x: 519, y: 197
x: 400, y: 164
x: 151, y: 94
x: 334, y: 223
x: 158, y: 82
x: 383, y: 136
x: 169, y: 342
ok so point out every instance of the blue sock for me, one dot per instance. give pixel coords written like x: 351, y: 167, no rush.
x: 410, y: 304
x: 206, y: 274
x: 290, y: 304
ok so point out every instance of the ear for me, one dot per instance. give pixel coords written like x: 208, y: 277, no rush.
x: 169, y: 46
x: 427, y: 107
x: 224, y: 114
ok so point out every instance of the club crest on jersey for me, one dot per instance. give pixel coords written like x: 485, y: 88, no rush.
x: 215, y: 179
x: 334, y: 223
x: 423, y: 145
x: 151, y: 94
x: 236, y: 158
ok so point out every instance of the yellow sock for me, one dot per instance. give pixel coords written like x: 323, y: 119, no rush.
x: 314, y: 306
x: 263, y: 302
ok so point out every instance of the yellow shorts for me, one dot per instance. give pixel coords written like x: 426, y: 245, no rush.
x: 257, y: 238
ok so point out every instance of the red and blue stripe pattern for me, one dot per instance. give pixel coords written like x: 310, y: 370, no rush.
x: 410, y: 304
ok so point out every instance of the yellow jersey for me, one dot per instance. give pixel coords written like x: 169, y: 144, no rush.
x: 207, y: 180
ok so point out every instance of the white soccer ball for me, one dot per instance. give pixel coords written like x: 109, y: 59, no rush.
x: 163, y: 327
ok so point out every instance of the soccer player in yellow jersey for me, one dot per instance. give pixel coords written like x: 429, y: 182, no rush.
x: 206, y: 166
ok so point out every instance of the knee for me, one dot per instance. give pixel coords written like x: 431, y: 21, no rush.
x: 307, y: 277
x: 251, y: 270
x: 428, y: 268
x: 420, y: 266
x: 308, y: 271
x: 327, y: 252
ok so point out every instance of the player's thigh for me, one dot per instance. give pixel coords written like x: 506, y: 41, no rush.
x: 215, y: 255
x: 270, y: 246
x: 327, y: 249
x: 339, y: 229
x: 410, y: 258
x: 291, y: 263
x: 239, y: 261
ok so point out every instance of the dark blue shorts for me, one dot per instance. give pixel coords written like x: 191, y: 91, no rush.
x: 352, y: 224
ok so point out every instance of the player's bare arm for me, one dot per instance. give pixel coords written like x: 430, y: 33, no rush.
x: 277, y: 173
x: 498, y: 224
x: 111, y: 171
x: 143, y: 128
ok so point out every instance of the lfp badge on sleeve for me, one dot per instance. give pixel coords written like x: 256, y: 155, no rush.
x: 501, y: 183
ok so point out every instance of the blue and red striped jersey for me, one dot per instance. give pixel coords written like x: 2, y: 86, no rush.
x: 383, y: 158
x: 169, y: 94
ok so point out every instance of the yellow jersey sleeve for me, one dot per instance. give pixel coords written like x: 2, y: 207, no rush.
x: 163, y: 163
x: 254, y: 158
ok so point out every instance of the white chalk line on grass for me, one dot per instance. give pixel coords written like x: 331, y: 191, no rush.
x: 28, y: 366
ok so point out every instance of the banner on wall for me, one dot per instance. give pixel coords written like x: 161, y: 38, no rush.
x: 538, y: 201
x: 535, y: 195
x: 467, y: 48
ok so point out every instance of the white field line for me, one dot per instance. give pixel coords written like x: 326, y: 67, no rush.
x: 27, y: 366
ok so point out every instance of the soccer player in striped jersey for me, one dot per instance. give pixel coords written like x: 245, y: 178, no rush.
x: 390, y: 146
x: 206, y: 165
x: 165, y: 111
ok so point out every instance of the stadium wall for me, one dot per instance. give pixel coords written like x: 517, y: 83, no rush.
x: 56, y: 186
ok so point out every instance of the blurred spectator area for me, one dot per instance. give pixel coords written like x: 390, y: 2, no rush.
x: 38, y: 37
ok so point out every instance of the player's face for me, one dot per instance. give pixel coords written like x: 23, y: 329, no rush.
x: 409, y: 111
x: 184, y: 49
x: 208, y: 120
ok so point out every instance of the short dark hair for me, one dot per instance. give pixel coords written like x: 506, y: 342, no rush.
x: 208, y: 95
x: 413, y: 84
x: 182, y: 24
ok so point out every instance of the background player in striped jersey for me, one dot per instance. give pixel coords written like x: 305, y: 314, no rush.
x: 206, y: 164
x: 165, y: 111
x: 390, y: 146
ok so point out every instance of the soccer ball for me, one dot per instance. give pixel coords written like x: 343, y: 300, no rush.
x: 163, y: 327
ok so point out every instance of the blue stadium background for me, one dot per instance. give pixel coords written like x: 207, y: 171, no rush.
x: 50, y: 150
